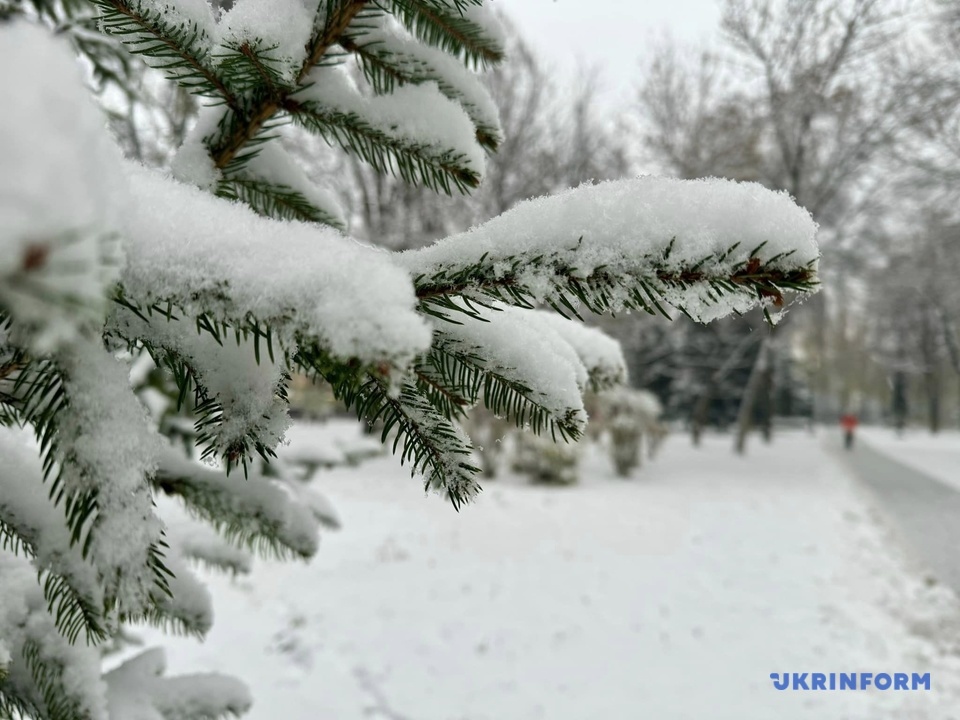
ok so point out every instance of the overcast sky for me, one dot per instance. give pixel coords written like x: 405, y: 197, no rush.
x: 611, y: 34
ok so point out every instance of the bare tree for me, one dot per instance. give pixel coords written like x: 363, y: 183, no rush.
x: 927, y: 74
x: 816, y: 63
x: 695, y: 121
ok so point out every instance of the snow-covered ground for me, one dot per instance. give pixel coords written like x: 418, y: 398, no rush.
x: 673, y: 595
x: 936, y: 455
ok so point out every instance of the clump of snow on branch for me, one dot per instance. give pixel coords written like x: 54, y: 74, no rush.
x: 486, y: 19
x: 108, y: 447
x: 229, y: 372
x: 56, y: 251
x: 512, y: 343
x: 26, y: 508
x: 281, y: 27
x: 390, y: 40
x: 137, y: 690
x: 206, y: 254
x: 600, y: 354
x: 275, y: 165
x: 192, y: 163
x: 419, y: 114
x: 251, y: 503
x: 188, y: 601
x: 196, y: 541
x: 25, y: 620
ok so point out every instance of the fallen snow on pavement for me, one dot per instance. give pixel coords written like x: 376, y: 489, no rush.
x: 673, y: 595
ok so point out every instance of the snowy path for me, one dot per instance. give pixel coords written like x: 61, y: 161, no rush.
x: 935, y: 455
x: 923, y: 506
x: 669, y: 597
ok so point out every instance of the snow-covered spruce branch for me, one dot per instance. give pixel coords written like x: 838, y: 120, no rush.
x: 426, y: 437
x: 456, y: 379
x: 629, y: 244
x: 255, y: 513
x: 81, y: 599
x: 390, y: 58
x: 230, y: 60
x: 261, y: 517
x: 236, y: 374
x: 50, y: 665
x: 601, y: 355
x: 239, y: 389
x: 277, y: 201
x: 498, y: 360
x: 31, y: 525
x: 330, y: 24
x: 185, y: 608
x: 618, y: 260
x: 179, y: 44
x: 462, y: 28
x: 435, y: 447
x: 414, y: 131
x: 492, y: 361
x: 209, y: 257
x: 266, y: 74
x: 50, y: 676
x: 137, y: 688
x: 201, y: 543
x: 80, y: 407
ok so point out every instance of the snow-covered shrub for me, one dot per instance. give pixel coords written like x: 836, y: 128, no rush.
x: 234, y: 272
x: 630, y: 416
x: 545, y: 461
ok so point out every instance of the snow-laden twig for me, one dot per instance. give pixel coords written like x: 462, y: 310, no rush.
x: 389, y: 56
x: 138, y: 689
x: 705, y: 247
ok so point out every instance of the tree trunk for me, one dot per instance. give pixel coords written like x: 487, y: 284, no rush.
x: 899, y: 400
x: 931, y: 369
x: 702, y: 408
x: 750, y: 393
x: 765, y: 403
x: 932, y: 382
x: 698, y: 419
x: 950, y: 339
x: 820, y: 380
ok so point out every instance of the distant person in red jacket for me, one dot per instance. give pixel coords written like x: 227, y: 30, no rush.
x: 849, y: 423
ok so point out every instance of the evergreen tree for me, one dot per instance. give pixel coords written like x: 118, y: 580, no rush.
x: 234, y: 273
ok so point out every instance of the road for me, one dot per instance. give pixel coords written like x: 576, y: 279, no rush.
x: 926, y: 511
